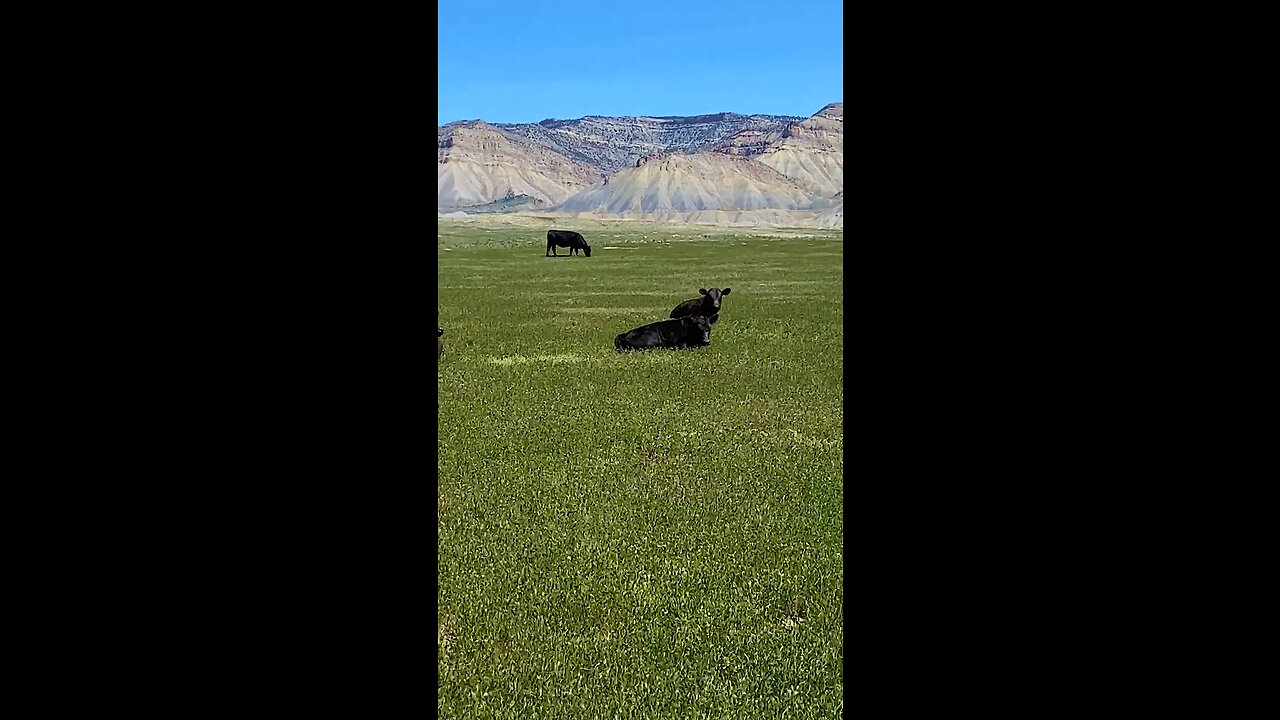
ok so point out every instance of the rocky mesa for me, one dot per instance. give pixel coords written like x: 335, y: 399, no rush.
x: 477, y: 163
x: 811, y: 152
x: 690, y: 183
x: 722, y: 168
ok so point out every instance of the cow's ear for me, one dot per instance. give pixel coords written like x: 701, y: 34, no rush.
x: 725, y: 291
x: 702, y: 291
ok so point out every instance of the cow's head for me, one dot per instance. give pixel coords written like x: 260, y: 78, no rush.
x: 699, y: 325
x: 714, y: 296
x: 440, y: 331
x: 586, y: 249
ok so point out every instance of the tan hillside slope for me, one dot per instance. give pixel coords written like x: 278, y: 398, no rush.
x: 833, y: 217
x: 811, y: 152
x: 477, y: 163
x: 691, y: 183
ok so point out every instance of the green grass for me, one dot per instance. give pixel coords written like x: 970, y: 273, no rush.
x: 639, y: 535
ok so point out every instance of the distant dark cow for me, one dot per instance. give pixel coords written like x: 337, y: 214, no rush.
x: 708, y: 305
x: 439, y: 343
x: 685, y: 332
x: 566, y: 238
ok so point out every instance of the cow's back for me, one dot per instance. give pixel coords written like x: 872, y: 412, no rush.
x: 675, y: 333
x: 641, y: 338
x: 688, y: 307
x: 564, y: 236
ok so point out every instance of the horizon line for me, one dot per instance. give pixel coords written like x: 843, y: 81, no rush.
x: 652, y: 117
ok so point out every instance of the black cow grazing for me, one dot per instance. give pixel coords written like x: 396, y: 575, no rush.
x: 566, y: 238
x: 686, y: 332
x: 708, y: 305
x: 439, y: 343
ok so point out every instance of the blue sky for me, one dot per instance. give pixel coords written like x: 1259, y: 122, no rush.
x: 525, y: 61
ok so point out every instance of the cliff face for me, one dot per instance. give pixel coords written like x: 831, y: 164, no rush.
x: 770, y: 169
x: 811, y: 151
x: 613, y: 143
x: 477, y: 163
x: 690, y: 183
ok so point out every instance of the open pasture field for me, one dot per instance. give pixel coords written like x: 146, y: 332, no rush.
x: 639, y: 535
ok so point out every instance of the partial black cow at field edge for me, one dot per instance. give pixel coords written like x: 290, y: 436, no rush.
x: 439, y: 343
x: 566, y: 238
x: 685, y: 332
x: 708, y: 305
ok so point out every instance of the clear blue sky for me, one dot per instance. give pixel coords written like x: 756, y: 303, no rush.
x: 525, y: 61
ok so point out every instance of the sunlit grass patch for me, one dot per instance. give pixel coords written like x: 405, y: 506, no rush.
x: 618, y: 292
x: 657, y: 310
x: 525, y: 360
x: 642, y: 535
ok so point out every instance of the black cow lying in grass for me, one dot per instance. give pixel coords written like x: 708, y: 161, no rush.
x: 708, y: 305
x: 439, y: 343
x: 685, y: 332
x: 566, y: 238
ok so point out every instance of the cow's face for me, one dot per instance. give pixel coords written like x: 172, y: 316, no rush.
x: 586, y: 249
x: 714, y: 296
x: 700, y: 325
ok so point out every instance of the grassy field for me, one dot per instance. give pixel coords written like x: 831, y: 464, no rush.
x: 639, y: 535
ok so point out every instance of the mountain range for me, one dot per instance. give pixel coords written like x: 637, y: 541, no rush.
x: 723, y: 168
